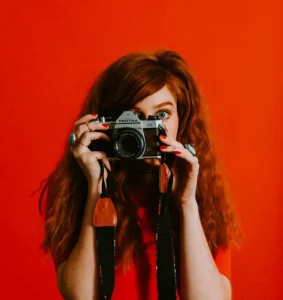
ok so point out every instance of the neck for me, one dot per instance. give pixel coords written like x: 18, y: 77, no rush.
x: 143, y: 189
x: 143, y: 180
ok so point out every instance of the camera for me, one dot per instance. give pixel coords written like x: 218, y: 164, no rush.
x: 131, y: 138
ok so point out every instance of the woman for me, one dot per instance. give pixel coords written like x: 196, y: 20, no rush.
x: 202, y: 222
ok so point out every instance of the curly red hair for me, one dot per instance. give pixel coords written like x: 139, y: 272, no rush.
x: 123, y: 84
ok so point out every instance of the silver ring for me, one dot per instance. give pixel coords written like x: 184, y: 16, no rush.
x: 191, y: 148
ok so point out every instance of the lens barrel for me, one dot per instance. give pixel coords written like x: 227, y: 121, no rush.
x: 128, y: 143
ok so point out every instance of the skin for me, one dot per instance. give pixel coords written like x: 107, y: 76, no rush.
x: 200, y: 278
x: 163, y: 104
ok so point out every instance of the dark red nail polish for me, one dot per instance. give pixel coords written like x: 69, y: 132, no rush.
x: 177, y: 152
x: 105, y: 125
x: 163, y: 137
x: 95, y: 115
x: 163, y: 147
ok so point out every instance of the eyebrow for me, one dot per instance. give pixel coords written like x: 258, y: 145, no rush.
x: 163, y: 104
x: 160, y: 105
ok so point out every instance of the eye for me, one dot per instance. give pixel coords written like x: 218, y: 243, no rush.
x: 163, y: 114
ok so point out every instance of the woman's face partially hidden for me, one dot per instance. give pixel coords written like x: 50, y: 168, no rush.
x: 164, y: 105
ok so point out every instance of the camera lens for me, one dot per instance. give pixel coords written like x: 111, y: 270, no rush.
x: 128, y: 144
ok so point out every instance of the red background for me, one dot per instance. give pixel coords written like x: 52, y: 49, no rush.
x: 51, y: 51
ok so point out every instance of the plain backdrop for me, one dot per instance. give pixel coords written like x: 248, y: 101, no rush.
x: 50, y: 52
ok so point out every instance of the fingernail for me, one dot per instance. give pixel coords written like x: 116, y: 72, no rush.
x: 105, y: 125
x: 95, y: 115
x: 166, y: 129
x: 163, y: 137
x: 177, y: 152
x: 163, y: 147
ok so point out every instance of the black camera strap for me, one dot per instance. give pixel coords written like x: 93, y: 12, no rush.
x: 165, y: 256
x: 105, y: 221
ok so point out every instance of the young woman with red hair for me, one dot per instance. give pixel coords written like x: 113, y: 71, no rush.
x: 201, y: 219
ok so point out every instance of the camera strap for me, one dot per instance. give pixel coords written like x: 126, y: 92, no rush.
x: 105, y: 222
x: 165, y: 256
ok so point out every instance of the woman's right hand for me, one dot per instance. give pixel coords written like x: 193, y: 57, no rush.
x: 85, y: 132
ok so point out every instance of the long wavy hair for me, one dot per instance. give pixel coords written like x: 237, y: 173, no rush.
x: 122, y: 85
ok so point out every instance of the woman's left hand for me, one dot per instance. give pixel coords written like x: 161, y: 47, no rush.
x: 185, y: 178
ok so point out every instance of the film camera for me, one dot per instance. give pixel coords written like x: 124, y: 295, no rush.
x: 131, y: 138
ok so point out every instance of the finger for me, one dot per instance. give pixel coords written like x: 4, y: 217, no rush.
x: 106, y: 162
x: 187, y: 155
x: 84, y: 119
x: 88, y: 137
x: 100, y: 155
x: 97, y: 125
x: 180, y: 152
x: 84, y: 128
x: 165, y: 148
x: 168, y: 140
x: 90, y: 157
x: 81, y: 146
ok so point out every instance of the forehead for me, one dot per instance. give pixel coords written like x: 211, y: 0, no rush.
x: 164, y: 95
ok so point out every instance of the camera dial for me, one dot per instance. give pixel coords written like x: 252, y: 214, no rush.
x: 153, y: 118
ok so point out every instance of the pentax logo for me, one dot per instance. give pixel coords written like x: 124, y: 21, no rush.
x: 127, y: 121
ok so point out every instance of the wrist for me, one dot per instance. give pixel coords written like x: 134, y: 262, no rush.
x: 189, y: 208
x: 92, y: 197
x: 94, y: 188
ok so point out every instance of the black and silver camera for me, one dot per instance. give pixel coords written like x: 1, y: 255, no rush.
x: 131, y: 138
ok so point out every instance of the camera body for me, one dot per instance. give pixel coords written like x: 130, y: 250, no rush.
x: 131, y: 138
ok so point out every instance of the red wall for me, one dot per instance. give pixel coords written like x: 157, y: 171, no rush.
x: 50, y: 52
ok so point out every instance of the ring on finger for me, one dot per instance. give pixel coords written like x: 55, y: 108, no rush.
x: 72, y: 139
x: 191, y: 148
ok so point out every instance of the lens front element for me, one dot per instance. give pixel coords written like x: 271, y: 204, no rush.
x: 128, y: 143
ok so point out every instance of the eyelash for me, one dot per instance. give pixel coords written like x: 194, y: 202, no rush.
x: 159, y: 111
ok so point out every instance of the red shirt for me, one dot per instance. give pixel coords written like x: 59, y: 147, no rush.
x: 130, y: 286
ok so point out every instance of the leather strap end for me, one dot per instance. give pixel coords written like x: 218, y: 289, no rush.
x: 104, y: 213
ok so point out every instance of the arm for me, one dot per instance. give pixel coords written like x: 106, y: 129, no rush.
x: 200, y: 278
x: 78, y: 277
